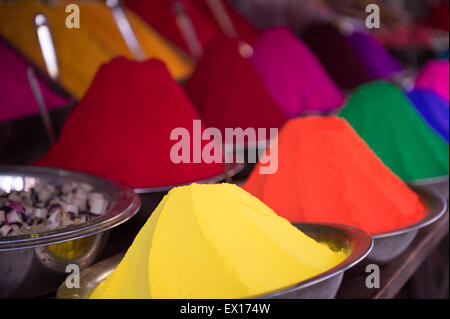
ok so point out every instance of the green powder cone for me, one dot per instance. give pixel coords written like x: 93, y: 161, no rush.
x: 385, y: 118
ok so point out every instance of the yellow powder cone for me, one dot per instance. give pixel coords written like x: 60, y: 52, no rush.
x: 215, y: 241
x: 81, y: 51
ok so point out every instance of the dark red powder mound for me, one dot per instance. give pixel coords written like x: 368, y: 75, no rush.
x: 438, y: 17
x: 121, y: 128
x: 228, y: 92
x: 337, y: 55
x: 159, y: 14
x: 245, y: 29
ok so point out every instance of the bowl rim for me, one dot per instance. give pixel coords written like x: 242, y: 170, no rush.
x: 430, y: 181
x: 123, y: 207
x: 433, y: 199
x: 362, y: 246
x: 361, y: 243
x: 232, y: 169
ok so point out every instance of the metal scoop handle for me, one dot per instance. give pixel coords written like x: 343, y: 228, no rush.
x: 223, y: 19
x: 126, y: 29
x: 46, y: 45
x: 187, y: 29
x: 38, y: 96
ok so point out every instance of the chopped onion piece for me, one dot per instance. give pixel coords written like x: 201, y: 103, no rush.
x: 14, y: 217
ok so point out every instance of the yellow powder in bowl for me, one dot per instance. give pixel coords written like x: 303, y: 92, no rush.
x: 81, y: 51
x: 215, y: 241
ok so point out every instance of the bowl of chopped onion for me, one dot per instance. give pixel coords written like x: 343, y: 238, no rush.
x: 54, y: 223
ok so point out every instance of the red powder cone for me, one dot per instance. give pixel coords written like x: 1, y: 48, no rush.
x: 121, y: 128
x: 228, y: 91
x: 327, y: 173
x: 246, y: 31
x: 159, y: 14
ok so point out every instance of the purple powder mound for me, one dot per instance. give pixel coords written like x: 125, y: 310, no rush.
x: 378, y: 61
x: 16, y: 97
x: 293, y: 75
x: 337, y: 55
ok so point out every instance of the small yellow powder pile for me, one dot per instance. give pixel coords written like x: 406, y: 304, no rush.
x: 215, y: 241
x: 81, y: 51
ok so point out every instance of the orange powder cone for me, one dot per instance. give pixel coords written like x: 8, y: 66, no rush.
x: 327, y: 173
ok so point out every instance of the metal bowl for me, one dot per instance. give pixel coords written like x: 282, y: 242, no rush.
x: 353, y: 241
x: 440, y: 184
x: 390, y: 245
x: 242, y: 154
x: 34, y: 265
x: 230, y: 171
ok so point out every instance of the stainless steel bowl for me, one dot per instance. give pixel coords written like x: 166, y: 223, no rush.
x: 34, y: 265
x: 230, y: 171
x: 353, y: 241
x: 390, y: 245
x: 440, y: 184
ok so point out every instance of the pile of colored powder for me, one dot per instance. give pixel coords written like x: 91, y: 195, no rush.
x: 101, y: 24
x: 81, y: 51
x: 327, y: 173
x: 246, y: 31
x: 379, y: 62
x: 121, y: 128
x: 293, y: 75
x: 385, y: 118
x: 438, y: 17
x: 433, y: 108
x: 228, y: 91
x: 215, y: 241
x: 435, y: 76
x: 337, y: 54
x: 16, y: 98
x: 159, y: 14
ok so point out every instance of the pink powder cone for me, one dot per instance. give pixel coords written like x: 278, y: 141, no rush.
x: 293, y: 75
x: 434, y: 76
x: 16, y: 97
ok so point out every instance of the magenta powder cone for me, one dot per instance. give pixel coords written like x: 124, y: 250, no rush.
x: 293, y: 75
x: 378, y: 61
x: 16, y: 97
x: 434, y: 76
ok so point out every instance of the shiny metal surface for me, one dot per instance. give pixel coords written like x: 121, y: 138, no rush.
x: 39, y: 97
x: 390, y: 245
x: 231, y: 170
x: 34, y: 265
x: 46, y: 45
x: 187, y: 29
x: 440, y: 184
x: 340, y: 237
x: 126, y: 29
